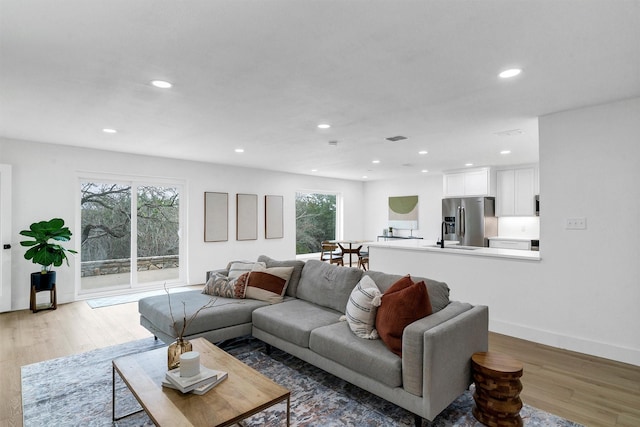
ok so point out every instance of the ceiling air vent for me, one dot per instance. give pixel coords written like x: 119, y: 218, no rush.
x: 510, y: 132
x: 333, y: 143
x: 396, y: 138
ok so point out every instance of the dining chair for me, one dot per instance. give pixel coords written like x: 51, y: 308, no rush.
x: 331, y: 253
x: 363, y: 260
x: 349, y: 251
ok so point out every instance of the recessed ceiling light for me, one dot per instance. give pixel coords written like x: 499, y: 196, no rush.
x: 511, y: 72
x: 161, y: 84
x: 239, y: 150
x: 424, y: 171
x: 109, y: 130
x: 423, y: 152
x: 314, y: 170
x: 468, y: 164
x: 505, y: 152
x: 323, y: 126
x: 364, y: 177
x: 375, y: 161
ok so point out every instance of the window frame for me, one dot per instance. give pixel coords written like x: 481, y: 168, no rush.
x: 135, y: 182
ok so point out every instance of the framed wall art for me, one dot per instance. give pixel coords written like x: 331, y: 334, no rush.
x: 273, y: 219
x: 246, y: 216
x: 403, y: 212
x: 216, y: 217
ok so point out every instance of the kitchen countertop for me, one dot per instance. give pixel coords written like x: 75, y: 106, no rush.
x: 430, y: 246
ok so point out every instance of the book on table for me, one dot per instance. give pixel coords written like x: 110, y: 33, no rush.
x: 206, y: 377
x: 203, y: 388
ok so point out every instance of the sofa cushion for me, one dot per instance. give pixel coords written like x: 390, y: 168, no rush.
x: 297, y: 265
x: 438, y: 291
x: 362, y: 308
x: 237, y: 268
x: 293, y: 320
x: 268, y: 284
x: 220, y: 285
x: 402, y: 304
x: 327, y: 285
x: 225, y: 312
x: 367, y: 357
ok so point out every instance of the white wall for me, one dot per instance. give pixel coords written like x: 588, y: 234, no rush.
x: 590, y: 283
x: 376, y: 205
x: 45, y: 185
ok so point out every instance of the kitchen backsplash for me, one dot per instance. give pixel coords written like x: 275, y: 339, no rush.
x: 519, y: 226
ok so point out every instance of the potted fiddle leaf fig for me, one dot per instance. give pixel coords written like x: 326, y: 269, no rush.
x: 45, y: 249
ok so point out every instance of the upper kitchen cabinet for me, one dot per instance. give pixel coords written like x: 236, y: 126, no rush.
x: 475, y: 182
x: 516, y: 190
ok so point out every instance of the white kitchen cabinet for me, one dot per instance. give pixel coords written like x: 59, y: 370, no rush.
x: 524, y: 245
x: 476, y: 182
x: 516, y: 189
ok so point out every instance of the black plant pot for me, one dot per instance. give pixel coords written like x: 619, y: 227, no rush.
x: 43, y: 281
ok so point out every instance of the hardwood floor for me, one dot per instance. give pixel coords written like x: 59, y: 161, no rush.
x: 585, y: 389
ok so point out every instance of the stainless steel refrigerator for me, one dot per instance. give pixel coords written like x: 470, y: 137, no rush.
x: 470, y: 220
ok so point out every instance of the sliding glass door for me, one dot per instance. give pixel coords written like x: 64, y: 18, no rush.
x: 130, y: 234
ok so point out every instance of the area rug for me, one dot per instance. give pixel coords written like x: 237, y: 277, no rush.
x: 126, y: 298
x: 76, y: 391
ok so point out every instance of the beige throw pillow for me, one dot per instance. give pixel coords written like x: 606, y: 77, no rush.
x: 268, y: 284
x: 362, y: 308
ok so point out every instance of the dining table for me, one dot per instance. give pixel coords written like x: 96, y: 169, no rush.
x: 354, y: 247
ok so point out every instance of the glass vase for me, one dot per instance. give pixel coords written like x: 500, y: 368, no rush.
x: 174, y: 351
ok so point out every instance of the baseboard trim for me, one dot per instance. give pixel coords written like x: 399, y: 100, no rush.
x: 579, y: 345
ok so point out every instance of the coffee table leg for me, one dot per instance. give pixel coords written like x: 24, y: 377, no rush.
x: 113, y: 399
x: 289, y: 410
x: 113, y: 393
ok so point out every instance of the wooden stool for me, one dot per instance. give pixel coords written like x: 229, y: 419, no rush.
x: 497, y: 396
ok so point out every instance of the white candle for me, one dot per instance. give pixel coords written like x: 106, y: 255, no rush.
x: 189, y: 364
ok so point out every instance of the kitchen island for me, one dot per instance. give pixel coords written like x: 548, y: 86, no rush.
x: 432, y: 246
x: 506, y: 280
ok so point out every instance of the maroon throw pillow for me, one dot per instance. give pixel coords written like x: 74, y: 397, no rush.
x: 402, y: 304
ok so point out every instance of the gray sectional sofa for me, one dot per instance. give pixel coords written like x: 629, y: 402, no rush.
x: 435, y: 366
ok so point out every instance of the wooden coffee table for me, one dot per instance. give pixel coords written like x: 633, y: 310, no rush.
x: 244, y: 393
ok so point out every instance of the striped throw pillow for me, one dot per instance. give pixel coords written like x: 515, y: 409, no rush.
x: 362, y: 307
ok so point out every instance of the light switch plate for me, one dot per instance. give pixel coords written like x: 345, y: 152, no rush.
x: 576, y: 223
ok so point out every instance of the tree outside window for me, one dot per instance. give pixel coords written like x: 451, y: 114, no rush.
x: 315, y: 221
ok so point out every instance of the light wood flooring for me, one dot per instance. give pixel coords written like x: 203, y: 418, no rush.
x: 585, y: 389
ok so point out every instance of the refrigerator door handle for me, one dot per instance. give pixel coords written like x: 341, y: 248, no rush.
x: 463, y: 228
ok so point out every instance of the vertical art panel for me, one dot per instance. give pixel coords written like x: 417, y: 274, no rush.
x: 246, y: 216
x: 273, y: 217
x: 216, y: 217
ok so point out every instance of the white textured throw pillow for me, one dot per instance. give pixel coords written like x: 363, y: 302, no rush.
x: 362, y: 307
x: 238, y: 268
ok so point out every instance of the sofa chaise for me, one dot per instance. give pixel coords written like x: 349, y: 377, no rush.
x: 431, y: 371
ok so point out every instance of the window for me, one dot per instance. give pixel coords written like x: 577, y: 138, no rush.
x: 123, y: 250
x: 317, y: 219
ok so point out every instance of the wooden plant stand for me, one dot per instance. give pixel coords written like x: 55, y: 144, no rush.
x: 497, y: 395
x: 41, y: 283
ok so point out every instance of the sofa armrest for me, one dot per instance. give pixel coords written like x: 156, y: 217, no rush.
x: 448, y: 348
x: 413, y: 344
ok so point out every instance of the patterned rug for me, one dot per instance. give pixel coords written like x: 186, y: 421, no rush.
x: 76, y: 391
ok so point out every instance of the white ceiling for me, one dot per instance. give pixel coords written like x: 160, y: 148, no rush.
x: 261, y: 75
